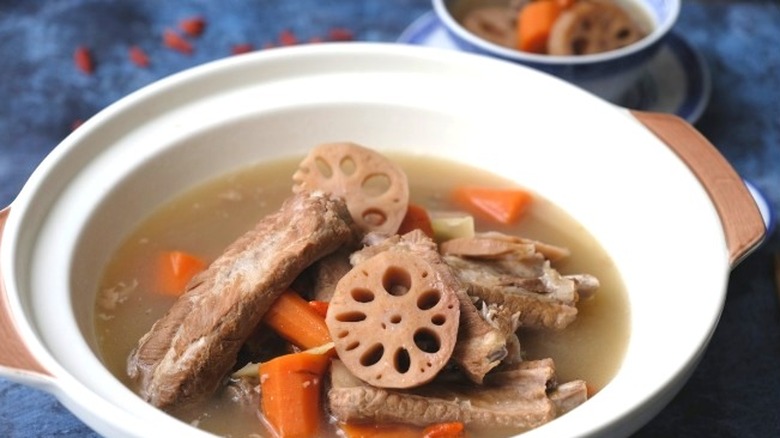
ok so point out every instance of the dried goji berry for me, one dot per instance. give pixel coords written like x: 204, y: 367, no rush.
x: 238, y: 49
x: 287, y: 38
x: 175, y: 41
x: 83, y: 59
x: 340, y: 34
x: 139, y: 57
x: 193, y: 26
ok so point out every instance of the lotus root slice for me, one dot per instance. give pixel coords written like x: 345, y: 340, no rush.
x: 375, y: 189
x: 392, y: 322
x: 593, y: 26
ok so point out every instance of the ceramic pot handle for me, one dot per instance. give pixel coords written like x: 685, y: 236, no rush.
x: 742, y: 222
x: 15, y: 359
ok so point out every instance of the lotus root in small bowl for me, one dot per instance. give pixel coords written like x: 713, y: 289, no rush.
x: 599, y: 45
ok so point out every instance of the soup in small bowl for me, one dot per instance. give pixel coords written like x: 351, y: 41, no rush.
x: 599, y: 45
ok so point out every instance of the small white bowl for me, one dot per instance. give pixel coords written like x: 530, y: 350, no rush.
x: 608, y: 75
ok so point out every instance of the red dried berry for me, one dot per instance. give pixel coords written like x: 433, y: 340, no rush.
x: 139, y: 57
x: 174, y: 41
x: 287, y: 38
x: 239, y: 49
x: 340, y: 34
x: 193, y: 26
x: 83, y: 60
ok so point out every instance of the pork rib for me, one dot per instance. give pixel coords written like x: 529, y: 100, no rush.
x: 188, y: 351
x: 522, y: 397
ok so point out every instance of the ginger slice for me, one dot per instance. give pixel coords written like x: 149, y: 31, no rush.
x: 375, y: 189
x: 393, y: 323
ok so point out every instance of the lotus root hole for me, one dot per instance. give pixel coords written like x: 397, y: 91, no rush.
x: 343, y: 334
x: 352, y: 345
x: 374, y: 217
x: 395, y: 319
x: 323, y: 167
x: 362, y: 295
x: 428, y: 299
x: 376, y: 184
x: 402, y: 362
x: 427, y: 340
x: 372, y: 355
x: 353, y: 316
x: 397, y: 281
x: 347, y: 165
x: 438, y: 320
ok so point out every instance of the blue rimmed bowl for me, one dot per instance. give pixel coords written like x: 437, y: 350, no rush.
x: 608, y: 75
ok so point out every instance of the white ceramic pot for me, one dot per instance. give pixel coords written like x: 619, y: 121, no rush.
x: 664, y: 204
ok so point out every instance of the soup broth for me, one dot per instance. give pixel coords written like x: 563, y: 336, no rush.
x: 206, y: 219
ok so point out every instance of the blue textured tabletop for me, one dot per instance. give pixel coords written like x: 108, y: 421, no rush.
x: 736, y: 389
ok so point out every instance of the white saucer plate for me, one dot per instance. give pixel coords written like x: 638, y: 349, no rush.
x: 677, y: 82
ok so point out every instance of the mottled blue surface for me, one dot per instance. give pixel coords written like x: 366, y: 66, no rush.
x: 736, y: 389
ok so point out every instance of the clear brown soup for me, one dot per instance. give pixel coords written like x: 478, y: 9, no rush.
x: 207, y: 218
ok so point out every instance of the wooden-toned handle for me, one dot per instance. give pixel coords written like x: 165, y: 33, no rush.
x: 742, y: 222
x: 15, y: 359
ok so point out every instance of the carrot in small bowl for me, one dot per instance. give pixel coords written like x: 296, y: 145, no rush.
x: 534, y: 23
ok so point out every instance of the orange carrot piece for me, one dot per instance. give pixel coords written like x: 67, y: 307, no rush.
x: 454, y: 429
x: 534, y: 23
x: 290, y: 386
x: 502, y: 205
x: 175, y: 269
x: 295, y: 320
x: 321, y: 307
x: 416, y: 218
x: 371, y: 430
x: 566, y: 3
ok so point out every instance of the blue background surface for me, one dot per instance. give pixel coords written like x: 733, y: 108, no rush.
x: 736, y: 389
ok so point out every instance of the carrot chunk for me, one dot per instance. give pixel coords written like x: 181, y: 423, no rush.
x: 454, y: 429
x: 416, y: 218
x: 175, y: 269
x: 290, y: 386
x: 505, y: 206
x: 321, y: 307
x: 295, y: 320
x: 370, y: 430
x: 534, y: 23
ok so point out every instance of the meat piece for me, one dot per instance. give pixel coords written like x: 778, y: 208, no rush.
x: 569, y: 395
x: 326, y: 273
x: 513, y: 398
x: 493, y: 244
x: 481, y: 346
x: 188, y: 351
x: 516, y: 275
